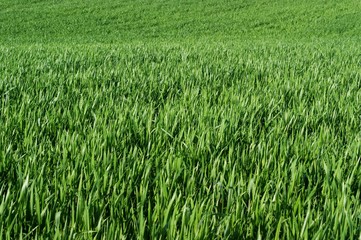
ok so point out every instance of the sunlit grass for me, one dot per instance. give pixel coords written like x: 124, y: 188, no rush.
x: 180, y: 142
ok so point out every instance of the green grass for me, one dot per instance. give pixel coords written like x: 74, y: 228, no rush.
x: 110, y: 21
x: 180, y: 120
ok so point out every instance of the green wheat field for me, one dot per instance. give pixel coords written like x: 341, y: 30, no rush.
x: 180, y: 119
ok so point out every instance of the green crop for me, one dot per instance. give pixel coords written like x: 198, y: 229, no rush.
x: 117, y: 122
x: 67, y: 22
x: 180, y: 142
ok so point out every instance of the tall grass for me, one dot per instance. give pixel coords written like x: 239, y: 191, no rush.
x: 180, y: 142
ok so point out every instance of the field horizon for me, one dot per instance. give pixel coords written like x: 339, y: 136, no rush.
x: 113, y: 22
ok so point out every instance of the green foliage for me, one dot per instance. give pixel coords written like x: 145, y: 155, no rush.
x: 180, y: 119
x: 189, y: 142
x: 111, y: 21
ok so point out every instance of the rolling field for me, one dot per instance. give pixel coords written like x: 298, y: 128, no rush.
x: 180, y: 119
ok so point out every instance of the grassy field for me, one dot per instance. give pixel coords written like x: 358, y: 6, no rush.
x: 110, y: 21
x: 180, y: 119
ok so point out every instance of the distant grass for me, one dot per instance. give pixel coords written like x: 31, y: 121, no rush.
x: 110, y: 21
x: 180, y: 119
